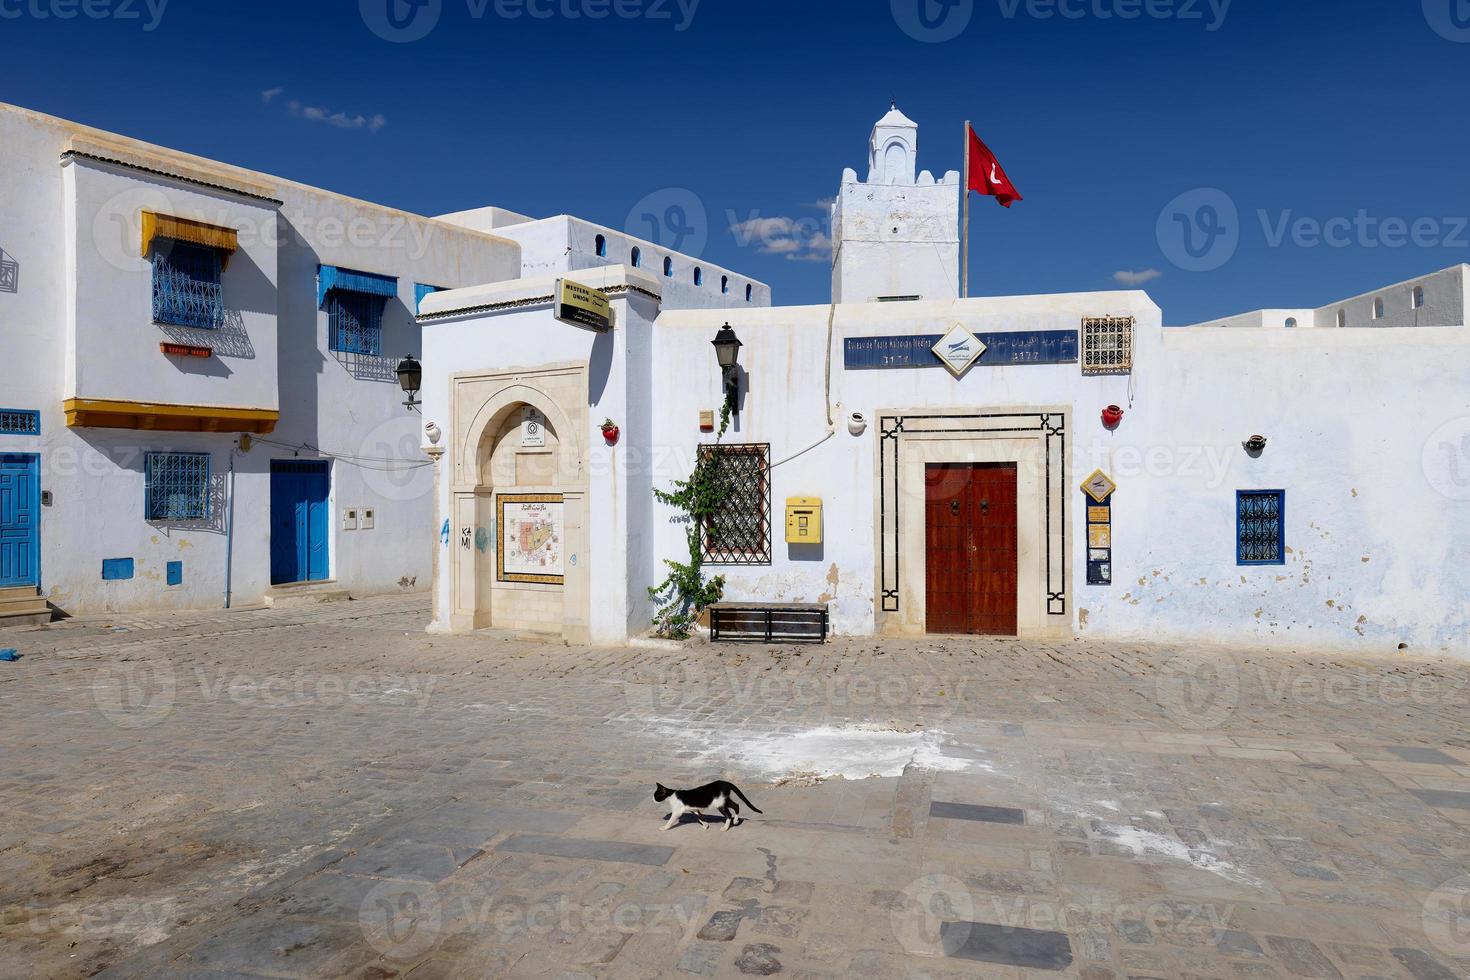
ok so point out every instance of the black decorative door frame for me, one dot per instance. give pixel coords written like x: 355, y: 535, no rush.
x: 1050, y: 427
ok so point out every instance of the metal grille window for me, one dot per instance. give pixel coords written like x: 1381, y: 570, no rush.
x: 19, y: 422
x: 1107, y: 345
x: 1260, y: 527
x: 357, y: 322
x: 739, y: 533
x: 186, y: 284
x: 177, y: 486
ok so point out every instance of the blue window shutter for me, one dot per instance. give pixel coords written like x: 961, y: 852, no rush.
x: 20, y: 422
x: 1260, y: 527
x: 176, y: 487
x: 186, y: 284
x: 420, y: 290
x: 116, y: 569
x: 356, y: 322
x: 175, y: 573
x: 331, y: 277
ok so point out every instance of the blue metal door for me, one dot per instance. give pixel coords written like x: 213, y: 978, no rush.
x: 20, y: 520
x: 299, y: 520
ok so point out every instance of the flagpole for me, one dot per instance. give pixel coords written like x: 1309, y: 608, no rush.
x: 965, y: 247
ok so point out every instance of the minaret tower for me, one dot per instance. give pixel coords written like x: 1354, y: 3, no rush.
x: 894, y: 236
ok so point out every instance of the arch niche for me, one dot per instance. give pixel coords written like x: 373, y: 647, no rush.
x: 519, y: 502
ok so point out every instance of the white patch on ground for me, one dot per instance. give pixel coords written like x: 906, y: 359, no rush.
x: 1149, y: 843
x: 853, y: 752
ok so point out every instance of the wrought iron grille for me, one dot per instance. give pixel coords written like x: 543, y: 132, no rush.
x: 186, y: 285
x: 177, y: 486
x: 1260, y: 523
x: 10, y: 274
x: 1107, y: 345
x: 20, y: 422
x: 739, y: 532
x: 357, y: 322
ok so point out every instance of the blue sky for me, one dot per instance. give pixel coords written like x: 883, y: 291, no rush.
x: 1131, y: 137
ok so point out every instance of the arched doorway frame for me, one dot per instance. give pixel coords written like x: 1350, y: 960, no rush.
x: 481, y: 402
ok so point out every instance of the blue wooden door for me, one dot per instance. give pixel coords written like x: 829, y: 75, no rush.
x: 20, y: 520
x: 299, y: 520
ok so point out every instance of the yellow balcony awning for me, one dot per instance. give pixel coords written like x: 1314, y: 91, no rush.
x: 155, y: 225
x: 112, y: 414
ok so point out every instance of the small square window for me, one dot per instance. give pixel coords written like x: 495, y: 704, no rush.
x: 739, y: 532
x: 1260, y: 527
x: 1107, y: 345
x: 186, y: 284
x: 177, y: 486
x: 20, y: 422
x: 356, y: 322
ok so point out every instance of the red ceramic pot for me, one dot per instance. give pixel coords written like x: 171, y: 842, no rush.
x: 1111, y: 416
x: 610, y: 433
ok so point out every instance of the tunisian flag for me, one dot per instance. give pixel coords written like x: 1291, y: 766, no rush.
x: 987, y: 176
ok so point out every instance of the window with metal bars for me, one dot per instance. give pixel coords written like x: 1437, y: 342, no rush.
x: 186, y: 284
x: 739, y: 532
x: 356, y: 322
x: 19, y: 422
x: 177, y: 486
x: 1107, y: 345
x: 1260, y: 527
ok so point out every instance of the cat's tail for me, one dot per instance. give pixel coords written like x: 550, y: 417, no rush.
x: 736, y: 790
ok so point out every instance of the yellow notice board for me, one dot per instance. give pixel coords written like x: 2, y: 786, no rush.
x: 582, y: 305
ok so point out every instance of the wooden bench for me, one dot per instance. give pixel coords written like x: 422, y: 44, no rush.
x: 768, y: 622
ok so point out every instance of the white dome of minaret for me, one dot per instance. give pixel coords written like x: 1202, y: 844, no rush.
x: 893, y: 148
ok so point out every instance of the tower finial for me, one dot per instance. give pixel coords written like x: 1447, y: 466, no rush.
x: 892, y: 104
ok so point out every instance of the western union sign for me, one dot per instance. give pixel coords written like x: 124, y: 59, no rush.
x: 582, y: 305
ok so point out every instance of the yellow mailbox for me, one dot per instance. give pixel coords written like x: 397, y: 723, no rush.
x: 803, y: 520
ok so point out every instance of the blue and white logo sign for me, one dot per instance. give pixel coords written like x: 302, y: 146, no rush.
x: 958, y: 349
x: 1199, y: 230
x: 400, y: 21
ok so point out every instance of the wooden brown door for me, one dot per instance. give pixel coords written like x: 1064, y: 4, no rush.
x: 970, y: 550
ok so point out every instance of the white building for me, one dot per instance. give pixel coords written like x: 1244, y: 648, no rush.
x: 953, y: 500
x: 1437, y: 299
x: 198, y: 403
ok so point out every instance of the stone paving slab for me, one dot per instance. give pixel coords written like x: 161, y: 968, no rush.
x: 332, y: 792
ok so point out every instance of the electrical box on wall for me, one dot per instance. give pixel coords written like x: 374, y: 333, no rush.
x: 349, y: 519
x: 803, y: 520
x: 367, y: 519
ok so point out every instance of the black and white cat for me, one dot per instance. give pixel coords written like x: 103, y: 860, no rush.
x: 718, y: 796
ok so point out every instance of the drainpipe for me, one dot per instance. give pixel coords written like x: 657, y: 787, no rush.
x: 230, y: 523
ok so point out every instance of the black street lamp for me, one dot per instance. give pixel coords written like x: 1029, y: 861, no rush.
x: 727, y: 351
x: 410, y: 377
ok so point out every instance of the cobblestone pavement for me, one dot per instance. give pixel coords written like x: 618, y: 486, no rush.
x: 329, y: 791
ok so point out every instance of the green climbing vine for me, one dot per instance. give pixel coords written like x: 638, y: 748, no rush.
x: 681, y: 596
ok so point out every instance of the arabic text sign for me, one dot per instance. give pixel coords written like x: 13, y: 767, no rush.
x: 915, y: 350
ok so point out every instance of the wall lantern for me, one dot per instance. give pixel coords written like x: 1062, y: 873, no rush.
x: 1111, y: 416
x: 1255, y: 445
x: 410, y: 377
x: 727, y: 351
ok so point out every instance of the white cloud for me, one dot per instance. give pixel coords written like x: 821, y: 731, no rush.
x: 321, y: 114
x: 1127, y: 278
x: 797, y: 239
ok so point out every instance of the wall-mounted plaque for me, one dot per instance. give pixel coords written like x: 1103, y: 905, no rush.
x: 530, y: 542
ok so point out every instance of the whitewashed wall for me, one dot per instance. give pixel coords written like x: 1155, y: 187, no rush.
x: 528, y: 337
x: 551, y: 246
x: 785, y: 360
x: 80, y: 323
x: 1369, y: 435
